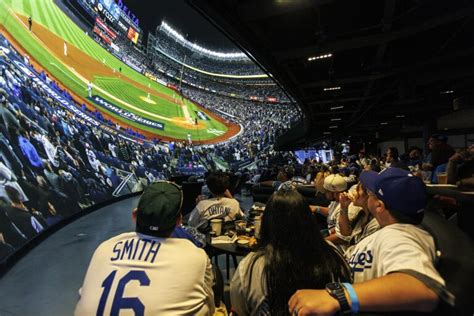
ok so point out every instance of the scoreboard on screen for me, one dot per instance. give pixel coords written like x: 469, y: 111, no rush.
x: 117, y: 16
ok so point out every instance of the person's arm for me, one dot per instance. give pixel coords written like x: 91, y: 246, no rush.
x: 237, y: 295
x: 335, y: 239
x: 393, y: 292
x: 208, y: 283
x: 451, y: 168
x: 467, y: 182
x: 194, y: 217
x: 323, y: 210
x: 343, y: 223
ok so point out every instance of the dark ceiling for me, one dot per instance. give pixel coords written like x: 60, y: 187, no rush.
x: 392, y: 59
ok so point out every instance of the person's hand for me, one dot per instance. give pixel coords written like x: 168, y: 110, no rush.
x: 345, y: 201
x: 456, y: 157
x: 312, y: 302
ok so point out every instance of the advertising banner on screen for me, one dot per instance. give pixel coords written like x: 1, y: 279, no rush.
x: 102, y: 35
x: 132, y: 35
x: 172, y: 86
x: 109, y: 11
x: 105, y: 28
x: 272, y: 99
x: 150, y: 75
x: 125, y: 114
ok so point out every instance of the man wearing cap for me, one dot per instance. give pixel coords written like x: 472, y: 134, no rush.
x: 393, y: 268
x: 145, y: 272
x: 333, y: 186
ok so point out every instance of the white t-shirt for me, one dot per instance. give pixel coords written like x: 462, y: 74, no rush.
x: 163, y: 276
x: 333, y: 214
x: 247, y: 290
x: 224, y: 208
x: 394, y: 248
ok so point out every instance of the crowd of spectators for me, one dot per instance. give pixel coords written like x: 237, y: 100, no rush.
x: 361, y: 247
x: 261, y: 123
x: 165, y: 44
x: 53, y: 163
x: 258, y: 89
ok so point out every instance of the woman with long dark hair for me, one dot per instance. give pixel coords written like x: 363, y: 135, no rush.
x: 292, y: 255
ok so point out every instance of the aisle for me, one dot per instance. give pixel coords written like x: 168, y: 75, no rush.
x: 45, y: 281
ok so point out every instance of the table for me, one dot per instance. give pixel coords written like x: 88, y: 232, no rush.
x: 230, y: 250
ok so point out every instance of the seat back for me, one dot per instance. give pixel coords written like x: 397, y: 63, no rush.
x: 455, y: 259
x: 191, y: 190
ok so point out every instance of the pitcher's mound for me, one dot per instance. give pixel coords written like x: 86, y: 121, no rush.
x: 181, y: 121
x: 145, y: 99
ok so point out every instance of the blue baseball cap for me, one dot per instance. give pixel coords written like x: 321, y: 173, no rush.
x: 398, y: 189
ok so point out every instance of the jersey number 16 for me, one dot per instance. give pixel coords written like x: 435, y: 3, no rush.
x: 119, y: 301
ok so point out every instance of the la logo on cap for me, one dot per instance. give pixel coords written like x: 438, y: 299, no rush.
x: 154, y: 228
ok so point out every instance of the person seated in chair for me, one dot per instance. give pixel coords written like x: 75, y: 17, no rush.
x: 393, y: 268
x: 222, y: 205
x: 147, y: 272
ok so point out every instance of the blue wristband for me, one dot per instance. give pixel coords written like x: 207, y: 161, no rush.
x: 353, y: 296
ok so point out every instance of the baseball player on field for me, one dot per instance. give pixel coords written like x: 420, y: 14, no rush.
x: 393, y: 268
x: 145, y: 272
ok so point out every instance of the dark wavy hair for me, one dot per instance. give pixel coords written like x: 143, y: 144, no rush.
x: 296, y: 254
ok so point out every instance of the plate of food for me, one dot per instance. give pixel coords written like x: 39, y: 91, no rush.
x: 246, y: 242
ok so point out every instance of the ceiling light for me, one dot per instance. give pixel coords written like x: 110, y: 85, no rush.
x: 332, y: 88
x: 400, y: 116
x: 312, y: 58
x: 334, y: 126
x: 337, y: 107
x: 447, y: 92
x: 327, y: 133
x: 335, y: 119
x: 384, y: 123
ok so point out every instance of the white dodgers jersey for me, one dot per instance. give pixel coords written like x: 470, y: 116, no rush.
x: 135, y: 274
x: 224, y: 208
x: 394, y: 248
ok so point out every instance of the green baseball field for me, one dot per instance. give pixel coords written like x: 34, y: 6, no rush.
x: 72, y: 57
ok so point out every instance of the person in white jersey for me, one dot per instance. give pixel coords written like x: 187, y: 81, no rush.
x: 222, y: 205
x: 393, y: 268
x: 145, y: 272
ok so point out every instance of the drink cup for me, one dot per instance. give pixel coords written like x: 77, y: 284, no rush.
x: 257, y: 224
x: 442, y: 177
x: 216, y: 226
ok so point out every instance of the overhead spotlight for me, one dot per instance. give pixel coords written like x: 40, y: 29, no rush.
x: 336, y: 119
x: 327, y: 133
x: 337, y: 107
x: 333, y: 126
x: 384, y: 123
x: 312, y: 58
x: 447, y: 92
x: 332, y: 88
x: 400, y: 116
